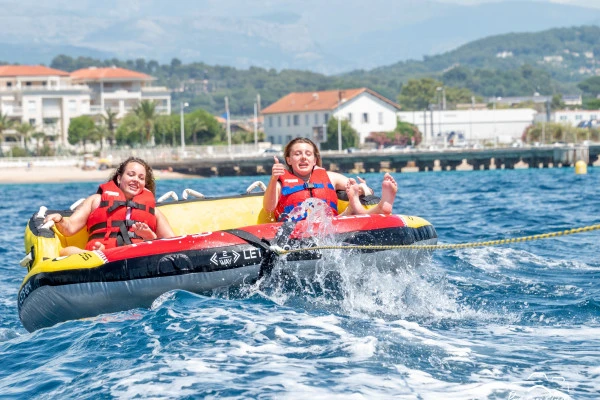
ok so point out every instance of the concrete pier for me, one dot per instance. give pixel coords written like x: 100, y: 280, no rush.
x: 404, y: 162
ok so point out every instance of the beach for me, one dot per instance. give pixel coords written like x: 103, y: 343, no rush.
x: 42, y: 174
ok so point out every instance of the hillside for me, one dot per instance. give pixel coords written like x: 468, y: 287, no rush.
x: 329, y: 37
x: 515, y: 64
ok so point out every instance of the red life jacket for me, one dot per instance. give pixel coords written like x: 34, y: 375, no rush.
x: 294, y: 191
x: 109, y: 223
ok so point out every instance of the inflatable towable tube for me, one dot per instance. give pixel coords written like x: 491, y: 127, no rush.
x: 227, y: 242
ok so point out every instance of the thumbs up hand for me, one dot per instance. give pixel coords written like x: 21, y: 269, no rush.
x: 278, y: 168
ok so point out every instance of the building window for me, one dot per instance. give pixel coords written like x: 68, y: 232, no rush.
x: 279, y: 120
x: 325, y: 118
x: 32, y: 121
x: 296, y: 120
x: 27, y: 83
x: 31, y: 106
x: 578, y: 117
x: 50, y: 122
x: 8, y: 84
x: 289, y: 120
x: 380, y: 117
x: 72, y: 105
x: 563, y: 117
x: 349, y: 117
x: 365, y: 118
x: 288, y: 138
x: 271, y: 139
x: 270, y: 121
x: 306, y: 120
x: 316, y: 119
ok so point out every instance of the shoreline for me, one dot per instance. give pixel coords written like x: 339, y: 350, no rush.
x: 38, y: 174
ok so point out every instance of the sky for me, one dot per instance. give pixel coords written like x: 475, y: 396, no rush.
x: 327, y: 36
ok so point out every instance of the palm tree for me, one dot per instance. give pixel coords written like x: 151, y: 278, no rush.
x: 24, y: 130
x: 146, y: 112
x: 5, y: 124
x: 99, y: 133
x: 110, y: 119
x: 38, y: 136
x: 197, y: 125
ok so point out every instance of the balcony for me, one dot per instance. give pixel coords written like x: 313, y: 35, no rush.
x: 52, y: 89
x: 155, y: 89
x: 11, y: 110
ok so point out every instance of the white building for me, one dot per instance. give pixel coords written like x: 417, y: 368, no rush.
x: 121, y: 90
x: 574, y: 117
x: 305, y: 113
x: 48, y: 98
x: 472, y: 126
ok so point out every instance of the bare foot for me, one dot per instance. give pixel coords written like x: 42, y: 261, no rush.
x: 354, y: 205
x: 389, y: 187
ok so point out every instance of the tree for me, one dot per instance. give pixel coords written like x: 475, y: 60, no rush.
x: 24, y: 129
x: 129, y: 130
x: 110, y: 119
x: 404, y: 134
x: 557, y: 102
x: 417, y: 94
x: 146, y: 112
x: 98, y: 134
x: 590, y: 86
x: 203, y: 126
x: 349, y: 135
x: 166, y: 129
x: 39, y: 137
x: 81, y: 130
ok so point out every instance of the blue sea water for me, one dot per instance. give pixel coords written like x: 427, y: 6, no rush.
x: 518, y: 321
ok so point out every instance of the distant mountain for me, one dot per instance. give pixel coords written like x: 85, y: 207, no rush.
x: 322, y: 36
x: 564, y: 56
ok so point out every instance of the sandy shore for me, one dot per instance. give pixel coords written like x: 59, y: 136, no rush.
x: 38, y: 174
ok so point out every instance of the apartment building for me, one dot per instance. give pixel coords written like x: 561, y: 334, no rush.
x: 121, y: 90
x: 48, y: 98
x: 306, y: 113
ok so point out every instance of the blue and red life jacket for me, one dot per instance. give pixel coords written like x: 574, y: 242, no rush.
x: 295, y: 190
x: 111, y: 223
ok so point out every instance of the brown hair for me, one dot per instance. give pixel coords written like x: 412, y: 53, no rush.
x: 149, y: 183
x: 288, y: 150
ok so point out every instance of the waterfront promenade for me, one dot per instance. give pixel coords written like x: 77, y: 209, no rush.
x: 168, y: 164
x: 409, y: 161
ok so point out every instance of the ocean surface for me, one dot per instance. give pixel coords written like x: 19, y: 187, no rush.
x: 517, y: 321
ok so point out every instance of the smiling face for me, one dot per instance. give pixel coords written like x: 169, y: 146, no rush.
x: 133, y: 179
x: 301, y: 159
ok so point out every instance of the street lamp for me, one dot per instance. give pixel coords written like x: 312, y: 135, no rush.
x: 182, y: 125
x: 441, y: 106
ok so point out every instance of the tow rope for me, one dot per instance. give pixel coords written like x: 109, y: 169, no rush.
x: 549, y: 235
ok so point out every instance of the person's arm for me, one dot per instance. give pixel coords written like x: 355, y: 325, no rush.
x: 273, y: 191
x: 340, y: 181
x: 163, y: 227
x: 78, y: 219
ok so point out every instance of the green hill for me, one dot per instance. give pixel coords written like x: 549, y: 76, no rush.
x: 515, y: 64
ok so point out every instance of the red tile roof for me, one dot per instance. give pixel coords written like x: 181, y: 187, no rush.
x: 110, y: 73
x: 30, y: 70
x: 318, y: 101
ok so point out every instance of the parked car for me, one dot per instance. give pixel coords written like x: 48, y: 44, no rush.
x: 396, y: 147
x: 272, y: 152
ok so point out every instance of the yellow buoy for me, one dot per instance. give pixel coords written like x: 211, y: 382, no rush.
x: 580, y: 167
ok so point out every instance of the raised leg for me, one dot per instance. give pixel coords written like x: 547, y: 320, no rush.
x: 389, y: 188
